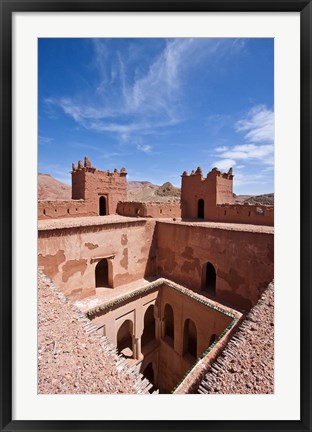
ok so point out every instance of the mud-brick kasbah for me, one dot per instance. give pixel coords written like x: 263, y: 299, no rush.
x: 155, y: 297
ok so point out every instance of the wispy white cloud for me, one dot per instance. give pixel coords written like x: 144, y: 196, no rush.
x: 257, y: 125
x: 145, y: 148
x: 216, y: 122
x: 221, y: 149
x: 224, y: 164
x: 45, y: 139
x: 143, y: 100
x: 263, y: 153
x: 258, y: 128
x: 243, y: 179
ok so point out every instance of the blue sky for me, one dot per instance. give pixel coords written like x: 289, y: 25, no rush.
x: 159, y: 107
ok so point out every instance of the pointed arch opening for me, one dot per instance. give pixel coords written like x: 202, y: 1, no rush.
x: 125, y: 340
x: 149, y: 326
x: 102, y: 206
x: 210, y: 278
x: 201, y: 209
x: 169, y: 324
x: 190, y: 338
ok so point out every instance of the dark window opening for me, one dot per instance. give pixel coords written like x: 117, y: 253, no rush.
x: 101, y: 274
x: 44, y: 212
x: 68, y: 211
x: 169, y: 324
x: 210, y: 282
x: 102, y: 206
x: 190, y: 338
x: 149, y: 326
x: 201, y: 209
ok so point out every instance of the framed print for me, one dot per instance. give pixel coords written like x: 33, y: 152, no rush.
x: 155, y: 204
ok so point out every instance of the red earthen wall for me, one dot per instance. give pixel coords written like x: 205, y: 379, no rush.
x: 150, y: 209
x: 69, y: 255
x: 173, y: 363
x: 195, y: 188
x: 63, y: 209
x: 92, y: 184
x: 243, y: 260
x: 224, y: 189
x: 244, y: 214
x: 217, y: 192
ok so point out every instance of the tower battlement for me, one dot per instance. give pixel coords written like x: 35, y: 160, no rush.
x: 201, y: 194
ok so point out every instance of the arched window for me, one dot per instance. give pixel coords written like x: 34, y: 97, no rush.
x: 190, y: 338
x: 201, y: 209
x: 169, y: 324
x: 101, y: 274
x: 124, y: 339
x: 149, y: 326
x: 210, y: 279
x: 102, y: 206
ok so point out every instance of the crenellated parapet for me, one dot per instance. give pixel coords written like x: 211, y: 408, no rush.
x: 215, y: 172
x: 86, y: 166
x: 211, y: 198
x: 200, y: 195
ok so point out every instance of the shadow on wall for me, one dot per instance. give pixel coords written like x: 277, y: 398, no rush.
x: 151, y: 263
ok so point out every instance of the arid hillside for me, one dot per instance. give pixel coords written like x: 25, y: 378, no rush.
x: 266, y: 199
x: 51, y: 189
x: 146, y: 191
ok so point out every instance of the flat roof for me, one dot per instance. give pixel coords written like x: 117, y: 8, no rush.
x: 76, y: 222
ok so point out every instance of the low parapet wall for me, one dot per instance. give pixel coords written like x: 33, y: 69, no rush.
x: 254, y: 214
x: 150, y: 209
x: 63, y: 209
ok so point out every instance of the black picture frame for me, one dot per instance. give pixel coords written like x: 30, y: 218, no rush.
x: 8, y: 7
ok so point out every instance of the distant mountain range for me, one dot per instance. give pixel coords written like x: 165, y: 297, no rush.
x: 51, y: 189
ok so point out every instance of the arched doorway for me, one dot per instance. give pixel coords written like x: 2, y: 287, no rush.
x: 124, y: 339
x: 210, y: 279
x: 149, y: 326
x: 201, y: 209
x: 102, y: 206
x: 101, y: 274
x: 169, y: 324
x: 190, y: 338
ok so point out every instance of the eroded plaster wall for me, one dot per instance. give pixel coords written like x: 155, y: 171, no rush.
x: 243, y: 260
x: 69, y: 255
